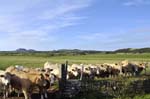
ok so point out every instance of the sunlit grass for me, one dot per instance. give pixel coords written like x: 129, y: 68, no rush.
x: 33, y: 61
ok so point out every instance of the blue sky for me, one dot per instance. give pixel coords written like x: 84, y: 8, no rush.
x: 74, y: 24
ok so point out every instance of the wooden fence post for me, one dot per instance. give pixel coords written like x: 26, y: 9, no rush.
x: 82, y: 70
x: 62, y: 82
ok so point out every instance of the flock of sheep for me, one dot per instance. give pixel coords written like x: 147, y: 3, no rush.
x: 27, y: 79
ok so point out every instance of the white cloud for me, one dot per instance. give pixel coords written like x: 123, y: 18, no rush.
x: 136, y: 2
x: 134, y: 38
x: 60, y: 10
x: 92, y: 36
x: 33, y: 23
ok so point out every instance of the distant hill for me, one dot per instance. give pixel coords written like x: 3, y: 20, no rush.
x: 67, y: 52
x: 131, y: 50
x: 84, y: 52
x: 25, y: 50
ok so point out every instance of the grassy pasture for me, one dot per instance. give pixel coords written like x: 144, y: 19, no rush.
x: 37, y: 61
x: 34, y: 61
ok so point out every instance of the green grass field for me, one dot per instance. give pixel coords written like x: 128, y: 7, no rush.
x: 34, y: 61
